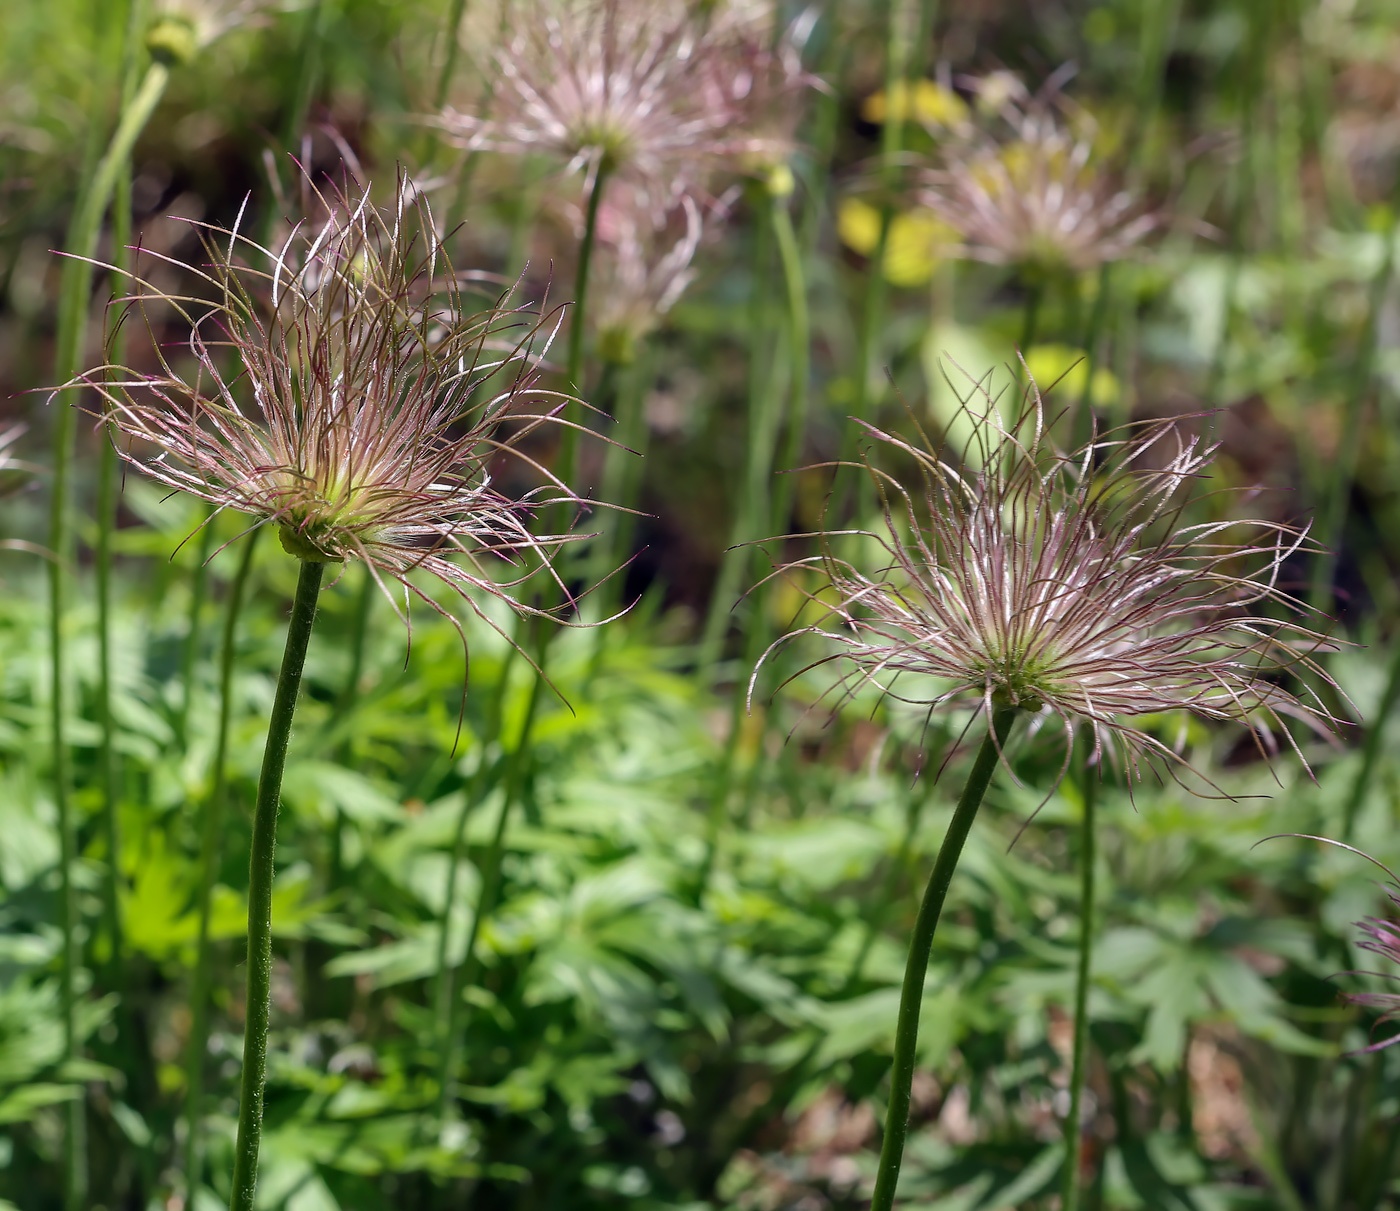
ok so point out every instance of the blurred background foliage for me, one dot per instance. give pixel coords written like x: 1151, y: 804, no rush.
x: 687, y: 987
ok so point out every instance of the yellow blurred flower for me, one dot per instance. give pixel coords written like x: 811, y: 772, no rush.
x: 1066, y: 369
x: 912, y: 247
x: 928, y: 103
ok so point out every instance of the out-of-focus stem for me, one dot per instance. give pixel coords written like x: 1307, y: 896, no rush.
x: 446, y: 987
x: 260, y: 874
x: 189, y: 652
x: 912, y: 993
x: 799, y: 360
x: 470, y: 967
x: 455, y: 13
x: 211, y: 836
x: 75, y: 287
x: 763, y: 405
x: 1371, y: 750
x: 1072, y: 1175
x: 1332, y: 523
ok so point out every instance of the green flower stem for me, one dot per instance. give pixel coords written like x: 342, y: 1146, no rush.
x: 446, y: 986
x: 573, y: 373
x: 1072, y: 1175
x: 449, y: 63
x: 912, y: 994
x: 1084, y: 413
x: 260, y: 872
x: 189, y: 650
x: 1371, y: 750
x: 208, y: 874
x: 799, y: 359
x: 763, y: 406
x: 75, y: 287
x: 489, y: 892
x: 1332, y: 520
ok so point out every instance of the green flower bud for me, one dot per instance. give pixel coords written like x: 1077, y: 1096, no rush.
x: 172, y: 41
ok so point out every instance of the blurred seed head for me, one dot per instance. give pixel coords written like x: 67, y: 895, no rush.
x: 343, y: 388
x: 660, y: 93
x: 1064, y: 584
x: 1034, y: 196
x: 643, y: 267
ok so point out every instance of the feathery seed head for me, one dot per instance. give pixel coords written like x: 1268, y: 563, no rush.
x: 654, y: 92
x: 1035, y: 198
x: 368, y: 409
x: 1064, y: 584
x: 1381, y: 937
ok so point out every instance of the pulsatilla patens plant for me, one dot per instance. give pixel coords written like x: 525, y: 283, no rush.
x: 366, y: 413
x: 653, y: 91
x: 1063, y: 584
x: 1034, y: 195
x: 1064, y: 587
x: 371, y: 406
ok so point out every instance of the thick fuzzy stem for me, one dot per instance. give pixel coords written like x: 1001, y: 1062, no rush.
x: 911, y: 996
x: 1081, y: 985
x: 260, y: 871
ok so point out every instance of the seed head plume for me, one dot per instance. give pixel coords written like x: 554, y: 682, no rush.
x: 343, y: 389
x: 1034, y: 197
x: 657, y: 92
x: 1064, y: 584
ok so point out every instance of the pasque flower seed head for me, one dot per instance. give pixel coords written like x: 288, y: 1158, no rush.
x: 1064, y: 584
x: 342, y: 388
x: 1035, y: 198
x: 655, y: 92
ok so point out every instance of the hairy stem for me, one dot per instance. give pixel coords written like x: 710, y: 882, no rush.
x: 208, y: 874
x: 260, y: 872
x: 912, y: 994
x: 1072, y: 1174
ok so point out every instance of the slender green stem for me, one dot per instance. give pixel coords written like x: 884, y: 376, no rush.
x: 573, y: 372
x: 490, y: 888
x: 475, y: 792
x: 260, y: 872
x: 1089, y: 791
x: 902, y: 44
x: 764, y: 422
x: 449, y: 63
x: 799, y: 358
x: 189, y: 652
x: 1371, y: 750
x: 308, y: 71
x: 208, y: 873
x: 1342, y: 469
x: 75, y: 287
x: 911, y: 996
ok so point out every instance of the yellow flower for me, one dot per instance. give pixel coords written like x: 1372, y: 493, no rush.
x: 911, y: 248
x: 1066, y: 370
x: 931, y: 105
